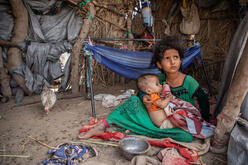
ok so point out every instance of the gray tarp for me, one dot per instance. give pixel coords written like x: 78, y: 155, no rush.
x: 64, y: 25
x: 51, y: 33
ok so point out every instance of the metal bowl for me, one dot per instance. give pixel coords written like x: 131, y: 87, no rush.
x: 132, y: 146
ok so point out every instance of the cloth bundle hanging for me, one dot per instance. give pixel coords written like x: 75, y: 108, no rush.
x: 191, y: 21
x: 132, y: 64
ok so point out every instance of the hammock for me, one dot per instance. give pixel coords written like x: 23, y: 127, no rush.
x: 132, y: 64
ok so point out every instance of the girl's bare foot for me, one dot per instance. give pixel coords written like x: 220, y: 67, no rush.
x: 94, y: 131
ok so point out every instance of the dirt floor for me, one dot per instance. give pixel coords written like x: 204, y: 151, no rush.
x: 62, y: 124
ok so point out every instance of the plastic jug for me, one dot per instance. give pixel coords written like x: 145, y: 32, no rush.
x: 147, y: 13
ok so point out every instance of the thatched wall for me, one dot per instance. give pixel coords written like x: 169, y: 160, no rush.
x: 215, y: 35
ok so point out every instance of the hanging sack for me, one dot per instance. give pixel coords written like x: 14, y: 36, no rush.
x: 191, y: 21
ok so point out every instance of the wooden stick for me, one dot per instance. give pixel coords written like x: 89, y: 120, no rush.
x: 201, y: 161
x: 77, y: 47
x: 194, y: 163
x: 44, y: 144
x: 103, y: 19
x: 73, y: 2
x: 94, y: 142
x: 105, y: 7
x: 219, y: 159
x: 15, y: 156
x: 19, y: 34
x: 106, y: 20
x: 7, y: 43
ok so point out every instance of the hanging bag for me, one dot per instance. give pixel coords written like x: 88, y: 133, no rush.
x: 191, y: 22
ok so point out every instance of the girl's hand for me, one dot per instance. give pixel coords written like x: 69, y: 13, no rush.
x: 147, y: 100
x: 163, y: 103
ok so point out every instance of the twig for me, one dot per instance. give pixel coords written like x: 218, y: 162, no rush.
x: 194, y: 163
x: 44, y: 144
x: 105, y: 7
x: 23, y: 146
x: 115, y: 24
x: 101, y: 18
x: 15, y: 156
x: 220, y: 159
x: 94, y: 142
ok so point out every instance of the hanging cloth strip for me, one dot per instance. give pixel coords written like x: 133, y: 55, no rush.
x: 132, y: 64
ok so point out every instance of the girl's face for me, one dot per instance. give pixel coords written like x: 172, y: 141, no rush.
x: 170, y: 62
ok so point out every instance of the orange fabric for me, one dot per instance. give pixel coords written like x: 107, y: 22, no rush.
x: 154, y: 106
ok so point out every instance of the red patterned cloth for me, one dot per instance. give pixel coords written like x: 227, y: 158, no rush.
x: 184, y: 115
x: 188, y: 155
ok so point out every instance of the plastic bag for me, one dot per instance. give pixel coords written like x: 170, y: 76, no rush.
x: 109, y: 100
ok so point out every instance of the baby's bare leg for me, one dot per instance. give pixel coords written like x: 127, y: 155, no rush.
x: 157, y: 117
x: 94, y: 131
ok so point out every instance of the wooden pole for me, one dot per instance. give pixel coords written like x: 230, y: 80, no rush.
x: 129, y: 24
x: 8, y: 44
x: 78, y: 46
x: 19, y: 35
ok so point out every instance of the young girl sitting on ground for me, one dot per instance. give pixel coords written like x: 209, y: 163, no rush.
x: 133, y: 116
x: 167, y: 56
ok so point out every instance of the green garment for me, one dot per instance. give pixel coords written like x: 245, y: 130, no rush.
x: 187, y: 91
x: 132, y: 115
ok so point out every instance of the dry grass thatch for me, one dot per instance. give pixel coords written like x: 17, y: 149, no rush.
x: 215, y: 35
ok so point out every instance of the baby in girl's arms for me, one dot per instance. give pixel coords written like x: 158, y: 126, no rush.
x: 149, y: 84
x: 167, y: 111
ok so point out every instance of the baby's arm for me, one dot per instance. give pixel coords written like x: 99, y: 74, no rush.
x: 147, y: 101
x: 159, y: 116
x: 163, y: 103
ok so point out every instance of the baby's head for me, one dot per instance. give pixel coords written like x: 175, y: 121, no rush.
x: 149, y: 83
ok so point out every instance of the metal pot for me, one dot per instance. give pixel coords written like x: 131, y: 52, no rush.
x: 132, y: 146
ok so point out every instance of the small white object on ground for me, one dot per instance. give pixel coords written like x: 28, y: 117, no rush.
x: 109, y: 100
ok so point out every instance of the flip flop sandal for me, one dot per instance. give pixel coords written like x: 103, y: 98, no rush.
x: 90, y: 152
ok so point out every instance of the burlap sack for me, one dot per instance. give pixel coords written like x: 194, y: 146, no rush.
x: 191, y: 21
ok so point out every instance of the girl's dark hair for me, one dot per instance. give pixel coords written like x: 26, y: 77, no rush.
x: 169, y: 42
